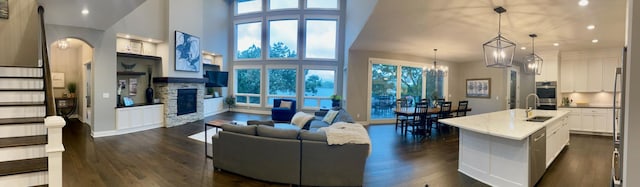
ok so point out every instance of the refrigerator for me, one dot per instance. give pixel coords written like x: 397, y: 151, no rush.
x: 618, y: 122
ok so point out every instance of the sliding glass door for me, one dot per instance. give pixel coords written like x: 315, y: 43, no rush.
x: 384, y: 85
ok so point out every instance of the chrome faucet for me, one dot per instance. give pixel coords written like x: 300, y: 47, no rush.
x: 527, y: 103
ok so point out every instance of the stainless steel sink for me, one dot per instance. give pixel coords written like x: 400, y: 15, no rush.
x: 539, y: 118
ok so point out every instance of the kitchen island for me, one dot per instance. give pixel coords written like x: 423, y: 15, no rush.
x: 504, y: 149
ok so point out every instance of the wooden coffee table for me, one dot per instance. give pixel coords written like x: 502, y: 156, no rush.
x: 215, y: 124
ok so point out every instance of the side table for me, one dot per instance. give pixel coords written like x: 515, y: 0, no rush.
x: 217, y: 124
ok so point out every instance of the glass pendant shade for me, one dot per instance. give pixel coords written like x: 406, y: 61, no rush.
x: 533, y: 62
x: 499, y: 51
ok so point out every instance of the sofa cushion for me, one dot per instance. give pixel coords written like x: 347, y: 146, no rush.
x: 313, y: 135
x: 268, y: 131
x: 315, y: 124
x: 331, y: 115
x: 301, y: 118
x: 258, y: 122
x: 285, y: 104
x: 249, y: 129
x: 343, y: 116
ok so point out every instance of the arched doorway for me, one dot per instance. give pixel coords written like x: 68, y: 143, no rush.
x: 70, y: 60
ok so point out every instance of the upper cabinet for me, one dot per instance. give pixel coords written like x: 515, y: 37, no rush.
x: 549, y: 66
x: 588, y: 71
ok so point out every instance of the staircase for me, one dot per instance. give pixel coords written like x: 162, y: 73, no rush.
x: 30, y: 143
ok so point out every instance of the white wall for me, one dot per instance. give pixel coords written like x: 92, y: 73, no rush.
x: 65, y: 61
x: 478, y: 70
x: 632, y: 106
x: 216, y: 28
x: 187, y: 17
x: 19, y: 34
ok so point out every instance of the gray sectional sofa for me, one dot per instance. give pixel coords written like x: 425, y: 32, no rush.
x: 286, y: 155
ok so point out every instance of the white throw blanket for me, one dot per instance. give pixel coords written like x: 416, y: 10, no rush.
x: 341, y: 133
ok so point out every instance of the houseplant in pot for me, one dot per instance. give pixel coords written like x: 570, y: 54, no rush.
x: 335, y: 100
x: 230, y: 101
x: 71, y: 87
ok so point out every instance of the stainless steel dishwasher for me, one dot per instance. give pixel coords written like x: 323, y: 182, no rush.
x: 537, y: 155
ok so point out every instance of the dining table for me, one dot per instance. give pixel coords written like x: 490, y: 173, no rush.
x: 411, y: 111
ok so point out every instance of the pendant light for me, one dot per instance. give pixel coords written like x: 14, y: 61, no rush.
x: 533, y: 62
x: 498, y: 52
x: 63, y: 44
x: 435, y: 70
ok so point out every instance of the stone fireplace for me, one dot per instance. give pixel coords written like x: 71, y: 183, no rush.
x: 183, y: 99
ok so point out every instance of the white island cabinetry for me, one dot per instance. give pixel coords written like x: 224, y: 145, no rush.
x: 495, y: 147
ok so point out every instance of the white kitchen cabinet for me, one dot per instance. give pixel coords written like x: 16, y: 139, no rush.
x: 557, y: 138
x: 594, y: 76
x: 549, y: 67
x: 590, y: 120
x: 580, y: 70
x: 574, y: 118
x: 566, y: 76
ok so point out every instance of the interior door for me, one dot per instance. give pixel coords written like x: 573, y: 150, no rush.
x: 87, y: 94
x: 513, y: 88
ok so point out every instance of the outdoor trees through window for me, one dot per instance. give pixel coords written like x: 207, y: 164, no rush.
x: 248, y: 86
x: 319, y: 85
x: 283, y: 36
x: 248, y: 40
x: 282, y: 84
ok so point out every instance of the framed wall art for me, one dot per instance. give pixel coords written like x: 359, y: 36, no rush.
x: 4, y: 9
x: 479, y: 88
x: 187, y: 54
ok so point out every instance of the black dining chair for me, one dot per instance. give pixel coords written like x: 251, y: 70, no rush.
x: 418, y: 120
x: 462, y: 108
x: 401, y: 104
x: 445, y: 112
x: 439, y: 101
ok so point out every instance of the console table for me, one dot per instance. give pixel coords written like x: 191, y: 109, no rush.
x: 65, y: 106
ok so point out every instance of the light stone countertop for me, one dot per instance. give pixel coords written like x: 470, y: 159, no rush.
x: 510, y: 124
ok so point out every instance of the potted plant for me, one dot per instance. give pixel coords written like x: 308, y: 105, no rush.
x: 335, y: 100
x: 230, y: 101
x: 71, y: 87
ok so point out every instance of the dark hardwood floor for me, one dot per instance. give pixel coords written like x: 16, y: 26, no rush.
x: 166, y: 157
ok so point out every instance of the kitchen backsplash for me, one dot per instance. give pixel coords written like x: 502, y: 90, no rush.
x: 600, y: 99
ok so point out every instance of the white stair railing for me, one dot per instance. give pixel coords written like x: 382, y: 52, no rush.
x: 54, y: 149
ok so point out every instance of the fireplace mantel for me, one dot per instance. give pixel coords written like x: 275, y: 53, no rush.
x: 178, y: 80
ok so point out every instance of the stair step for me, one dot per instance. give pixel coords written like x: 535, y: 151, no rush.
x: 21, y: 96
x: 18, y: 77
x: 22, y: 111
x: 18, y: 130
x: 44, y: 185
x: 23, y: 141
x: 21, y: 83
x: 9, y: 104
x: 11, y: 121
x: 23, y: 166
x: 21, y: 71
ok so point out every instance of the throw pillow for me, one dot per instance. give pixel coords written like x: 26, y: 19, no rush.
x: 330, y: 116
x: 285, y: 104
x: 300, y: 119
x: 343, y: 116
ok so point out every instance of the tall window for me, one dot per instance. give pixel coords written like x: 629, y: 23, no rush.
x: 319, y: 85
x: 247, y: 86
x: 283, y: 39
x: 435, y: 87
x: 283, y: 4
x: 281, y: 83
x: 322, y: 4
x: 411, y: 83
x: 248, y: 6
x: 321, y: 39
x: 248, y: 40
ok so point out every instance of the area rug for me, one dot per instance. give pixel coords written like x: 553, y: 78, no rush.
x: 211, y: 132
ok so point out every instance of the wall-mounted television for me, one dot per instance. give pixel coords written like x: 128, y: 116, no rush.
x: 217, y: 78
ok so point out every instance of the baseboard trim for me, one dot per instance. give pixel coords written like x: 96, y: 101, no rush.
x: 251, y: 111
x: 124, y: 131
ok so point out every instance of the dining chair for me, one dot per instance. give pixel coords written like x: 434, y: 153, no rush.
x: 462, y: 108
x: 445, y: 112
x: 439, y: 101
x: 401, y: 119
x: 418, y: 120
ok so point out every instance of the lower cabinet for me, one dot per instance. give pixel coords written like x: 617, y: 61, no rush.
x: 139, y: 117
x: 557, y: 138
x: 590, y: 120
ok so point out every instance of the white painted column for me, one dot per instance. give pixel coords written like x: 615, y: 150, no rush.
x: 54, y: 149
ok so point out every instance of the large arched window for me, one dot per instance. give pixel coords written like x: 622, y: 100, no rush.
x: 284, y: 46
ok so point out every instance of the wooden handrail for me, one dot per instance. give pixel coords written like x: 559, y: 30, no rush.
x: 48, y: 86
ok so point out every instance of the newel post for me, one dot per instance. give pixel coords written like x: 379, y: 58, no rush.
x: 54, y: 149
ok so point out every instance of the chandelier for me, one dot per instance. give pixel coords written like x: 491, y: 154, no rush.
x: 436, y: 70
x: 533, y: 62
x: 63, y: 44
x: 498, y: 52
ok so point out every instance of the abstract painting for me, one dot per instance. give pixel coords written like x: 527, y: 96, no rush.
x: 187, y: 52
x: 480, y: 88
x: 4, y: 9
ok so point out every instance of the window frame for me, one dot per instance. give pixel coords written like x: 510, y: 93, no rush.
x: 235, y: 39
x: 235, y: 85
x: 235, y: 9
x: 317, y: 98
x: 267, y: 95
x: 268, y: 8
x: 306, y: 4
x: 268, y: 37
x: 335, y: 18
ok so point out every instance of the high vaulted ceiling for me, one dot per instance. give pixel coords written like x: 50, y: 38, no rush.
x: 102, y: 13
x: 458, y: 28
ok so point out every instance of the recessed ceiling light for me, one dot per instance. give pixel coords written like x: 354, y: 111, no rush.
x: 556, y: 44
x: 591, y: 27
x: 594, y: 41
x: 85, y: 11
x: 583, y: 2
x: 127, y: 36
x: 523, y: 48
x: 150, y: 40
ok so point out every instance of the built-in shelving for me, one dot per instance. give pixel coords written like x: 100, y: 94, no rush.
x: 132, y: 55
x: 131, y: 73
